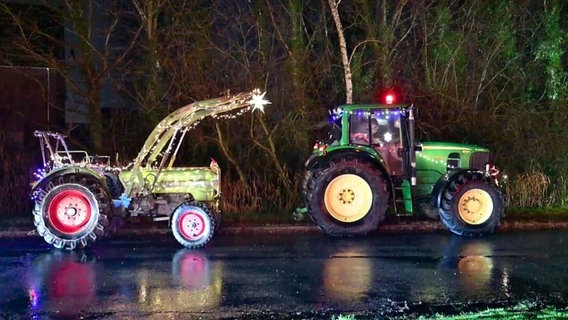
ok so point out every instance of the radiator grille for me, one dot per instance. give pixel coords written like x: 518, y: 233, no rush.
x: 477, y: 160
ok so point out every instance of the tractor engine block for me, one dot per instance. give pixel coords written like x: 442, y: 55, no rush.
x: 159, y: 205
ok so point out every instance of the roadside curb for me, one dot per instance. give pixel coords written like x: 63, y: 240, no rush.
x: 285, y: 229
x: 269, y: 229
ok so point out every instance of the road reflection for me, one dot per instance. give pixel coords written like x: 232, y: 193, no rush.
x: 196, y: 285
x: 348, y: 275
x: 471, y: 260
x: 64, y: 282
x: 359, y: 273
x: 263, y: 276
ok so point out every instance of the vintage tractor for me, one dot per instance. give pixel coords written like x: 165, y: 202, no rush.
x: 76, y: 195
x: 370, y: 162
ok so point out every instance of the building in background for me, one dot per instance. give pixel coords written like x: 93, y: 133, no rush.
x: 31, y: 98
x: 38, y: 97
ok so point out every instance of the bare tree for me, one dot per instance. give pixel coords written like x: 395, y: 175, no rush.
x: 152, y: 89
x: 333, y: 5
x: 91, y: 57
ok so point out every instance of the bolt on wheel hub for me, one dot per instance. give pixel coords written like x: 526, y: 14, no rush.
x: 346, y: 196
x: 472, y: 205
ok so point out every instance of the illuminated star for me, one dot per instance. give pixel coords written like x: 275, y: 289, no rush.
x: 258, y: 102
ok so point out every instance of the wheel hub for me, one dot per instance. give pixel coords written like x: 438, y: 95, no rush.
x: 348, y: 198
x: 475, y: 206
x: 192, y: 225
x: 472, y: 205
x: 70, y: 211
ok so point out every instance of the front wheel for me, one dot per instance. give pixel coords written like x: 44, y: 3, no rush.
x: 472, y: 207
x: 192, y: 225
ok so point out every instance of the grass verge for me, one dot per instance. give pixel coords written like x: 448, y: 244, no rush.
x: 521, y: 311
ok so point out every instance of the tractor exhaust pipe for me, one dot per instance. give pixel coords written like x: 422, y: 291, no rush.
x: 412, y: 146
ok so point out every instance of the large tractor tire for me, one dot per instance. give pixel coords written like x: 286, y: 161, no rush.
x: 192, y: 224
x: 217, y: 218
x: 471, y: 206
x: 72, y: 212
x: 346, y: 198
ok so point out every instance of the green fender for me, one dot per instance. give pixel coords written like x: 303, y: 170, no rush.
x: 442, y: 184
x: 367, y: 153
x: 340, y: 152
x: 70, y: 170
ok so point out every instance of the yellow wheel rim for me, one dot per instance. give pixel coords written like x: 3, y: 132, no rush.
x: 475, y: 206
x: 348, y: 198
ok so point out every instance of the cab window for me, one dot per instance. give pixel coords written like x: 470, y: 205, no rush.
x: 359, y: 129
x: 385, y: 131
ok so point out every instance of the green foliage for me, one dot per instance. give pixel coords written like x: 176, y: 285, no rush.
x: 520, y: 311
x: 528, y: 189
x: 550, y: 52
x: 541, y: 214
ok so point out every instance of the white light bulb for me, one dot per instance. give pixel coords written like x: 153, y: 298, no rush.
x: 258, y: 102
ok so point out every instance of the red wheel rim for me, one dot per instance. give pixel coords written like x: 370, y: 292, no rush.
x: 69, y: 211
x: 192, y: 225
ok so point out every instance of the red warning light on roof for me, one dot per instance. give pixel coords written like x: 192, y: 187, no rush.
x: 389, y: 96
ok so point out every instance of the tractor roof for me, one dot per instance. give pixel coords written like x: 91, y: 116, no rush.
x: 372, y: 106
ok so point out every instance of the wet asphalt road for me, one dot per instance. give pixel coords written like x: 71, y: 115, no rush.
x: 282, y: 277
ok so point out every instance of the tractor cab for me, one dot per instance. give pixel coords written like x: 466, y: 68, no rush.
x: 386, y: 131
x: 382, y: 130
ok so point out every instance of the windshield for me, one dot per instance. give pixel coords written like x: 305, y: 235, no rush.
x: 381, y: 128
x: 386, y: 128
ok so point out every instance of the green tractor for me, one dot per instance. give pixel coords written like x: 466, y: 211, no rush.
x: 78, y: 197
x: 370, y: 162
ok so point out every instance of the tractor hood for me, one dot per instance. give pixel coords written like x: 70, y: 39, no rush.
x: 450, y: 146
x: 442, y: 156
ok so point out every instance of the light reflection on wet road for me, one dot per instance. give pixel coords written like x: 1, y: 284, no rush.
x: 293, y: 277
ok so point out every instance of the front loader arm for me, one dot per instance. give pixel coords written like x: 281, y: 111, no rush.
x: 182, y: 120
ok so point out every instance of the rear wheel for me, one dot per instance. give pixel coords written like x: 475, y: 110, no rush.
x: 471, y: 206
x: 348, y: 197
x: 71, y: 212
x: 192, y: 225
